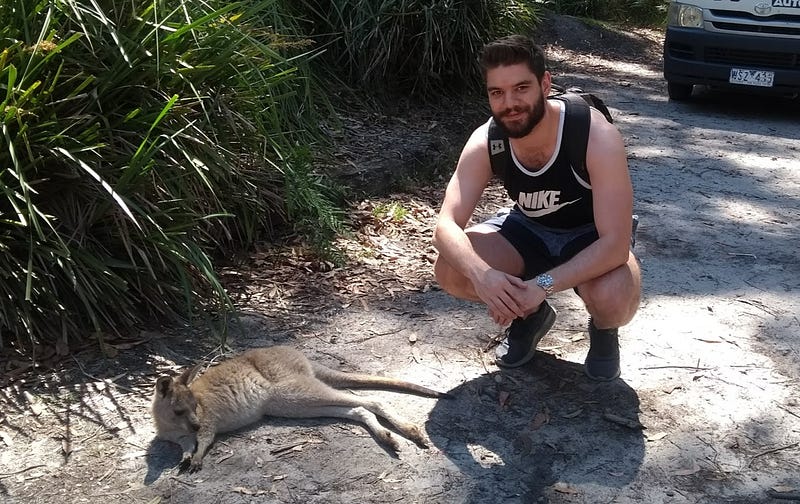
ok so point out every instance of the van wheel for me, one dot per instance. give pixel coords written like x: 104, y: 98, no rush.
x: 679, y: 92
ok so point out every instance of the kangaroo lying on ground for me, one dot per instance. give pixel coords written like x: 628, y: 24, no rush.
x: 277, y: 381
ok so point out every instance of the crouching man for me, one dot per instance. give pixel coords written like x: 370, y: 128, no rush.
x: 570, y: 225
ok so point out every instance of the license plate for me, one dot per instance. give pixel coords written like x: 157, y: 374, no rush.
x: 762, y: 78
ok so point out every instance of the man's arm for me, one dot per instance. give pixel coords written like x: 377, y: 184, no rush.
x: 473, y: 172
x: 612, y: 193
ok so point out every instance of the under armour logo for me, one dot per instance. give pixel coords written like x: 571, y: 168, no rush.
x: 496, y: 147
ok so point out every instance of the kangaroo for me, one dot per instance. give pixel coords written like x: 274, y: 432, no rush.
x: 276, y: 381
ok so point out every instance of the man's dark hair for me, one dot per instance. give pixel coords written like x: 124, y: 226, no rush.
x: 513, y: 50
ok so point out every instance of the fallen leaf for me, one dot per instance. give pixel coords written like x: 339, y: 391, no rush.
x: 564, y: 488
x: 630, y: 423
x: 502, y: 398
x: 247, y: 491
x: 687, y: 471
x: 783, y: 489
x: 541, y: 418
x: 656, y: 436
x: 573, y: 414
x: 6, y: 438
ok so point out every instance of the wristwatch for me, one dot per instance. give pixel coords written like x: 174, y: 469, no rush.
x: 545, y: 281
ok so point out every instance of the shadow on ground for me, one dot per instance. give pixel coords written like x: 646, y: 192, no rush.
x: 522, y: 435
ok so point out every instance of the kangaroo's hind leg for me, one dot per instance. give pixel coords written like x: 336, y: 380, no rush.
x: 312, y: 398
x: 361, y: 415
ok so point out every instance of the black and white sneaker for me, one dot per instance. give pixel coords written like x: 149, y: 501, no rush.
x: 522, y: 336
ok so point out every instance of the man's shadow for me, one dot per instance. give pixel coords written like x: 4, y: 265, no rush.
x: 527, y: 434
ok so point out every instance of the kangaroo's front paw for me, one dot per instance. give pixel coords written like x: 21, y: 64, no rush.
x: 196, y: 464
x: 185, y: 464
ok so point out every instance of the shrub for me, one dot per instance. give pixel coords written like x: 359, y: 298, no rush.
x: 140, y: 138
x: 421, y: 46
x: 630, y: 11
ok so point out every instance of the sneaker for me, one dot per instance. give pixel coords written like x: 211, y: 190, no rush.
x: 522, y: 336
x: 602, y: 361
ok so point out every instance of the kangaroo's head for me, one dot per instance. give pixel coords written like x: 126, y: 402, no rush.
x: 175, y: 407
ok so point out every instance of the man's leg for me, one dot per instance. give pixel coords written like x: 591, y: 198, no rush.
x: 522, y: 336
x: 612, y: 301
x: 493, y: 248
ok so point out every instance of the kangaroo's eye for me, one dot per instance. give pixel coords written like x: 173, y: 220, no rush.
x: 180, y: 412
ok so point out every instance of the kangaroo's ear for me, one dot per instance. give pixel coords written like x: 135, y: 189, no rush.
x: 189, y: 375
x: 164, y: 385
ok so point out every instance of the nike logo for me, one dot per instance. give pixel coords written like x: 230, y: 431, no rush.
x: 541, y: 203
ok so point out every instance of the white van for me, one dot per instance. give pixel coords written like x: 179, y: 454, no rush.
x: 742, y: 44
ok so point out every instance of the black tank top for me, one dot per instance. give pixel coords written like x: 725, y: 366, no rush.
x: 554, y: 195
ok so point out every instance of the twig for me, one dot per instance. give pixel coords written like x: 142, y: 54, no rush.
x: 696, y: 368
x: 787, y: 410
x: 285, y: 448
x: 109, y: 381
x: 795, y: 495
x: 375, y: 335
x: 773, y: 450
x: 5, y: 475
x: 742, y: 254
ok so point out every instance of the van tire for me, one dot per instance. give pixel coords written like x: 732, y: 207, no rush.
x: 679, y: 92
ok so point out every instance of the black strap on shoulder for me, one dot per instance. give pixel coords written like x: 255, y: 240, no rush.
x: 576, y: 134
x: 499, y: 149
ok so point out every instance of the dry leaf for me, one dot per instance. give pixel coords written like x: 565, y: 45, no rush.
x: 656, y: 436
x: 561, y: 487
x: 687, y: 471
x: 247, y: 491
x: 502, y: 398
x: 541, y: 418
x: 783, y: 489
x: 573, y: 414
x: 6, y: 438
x: 630, y: 423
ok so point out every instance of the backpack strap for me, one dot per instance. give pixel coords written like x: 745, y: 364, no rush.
x: 576, y: 132
x: 499, y: 149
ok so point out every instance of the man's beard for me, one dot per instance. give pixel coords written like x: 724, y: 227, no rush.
x: 517, y: 130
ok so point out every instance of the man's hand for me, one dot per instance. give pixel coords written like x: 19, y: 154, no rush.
x: 502, y: 294
x: 527, y: 300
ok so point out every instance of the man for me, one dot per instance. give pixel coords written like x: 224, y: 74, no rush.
x: 570, y: 227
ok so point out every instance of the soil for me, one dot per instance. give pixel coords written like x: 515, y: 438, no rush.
x: 707, y: 409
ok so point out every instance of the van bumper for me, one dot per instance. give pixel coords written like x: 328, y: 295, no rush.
x: 693, y: 56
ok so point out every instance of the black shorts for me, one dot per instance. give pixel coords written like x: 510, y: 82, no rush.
x: 541, y: 247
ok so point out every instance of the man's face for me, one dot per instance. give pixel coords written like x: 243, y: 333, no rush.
x: 516, y: 97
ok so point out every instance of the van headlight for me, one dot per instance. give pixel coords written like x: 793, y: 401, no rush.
x: 685, y: 16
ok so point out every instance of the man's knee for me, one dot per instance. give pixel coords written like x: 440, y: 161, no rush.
x: 612, y: 300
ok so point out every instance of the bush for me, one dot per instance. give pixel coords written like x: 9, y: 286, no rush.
x: 139, y: 139
x: 419, y: 46
x: 630, y: 11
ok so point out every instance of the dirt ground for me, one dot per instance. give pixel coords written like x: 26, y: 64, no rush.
x: 707, y: 409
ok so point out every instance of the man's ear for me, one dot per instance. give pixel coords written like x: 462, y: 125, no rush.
x: 164, y: 385
x: 546, y: 83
